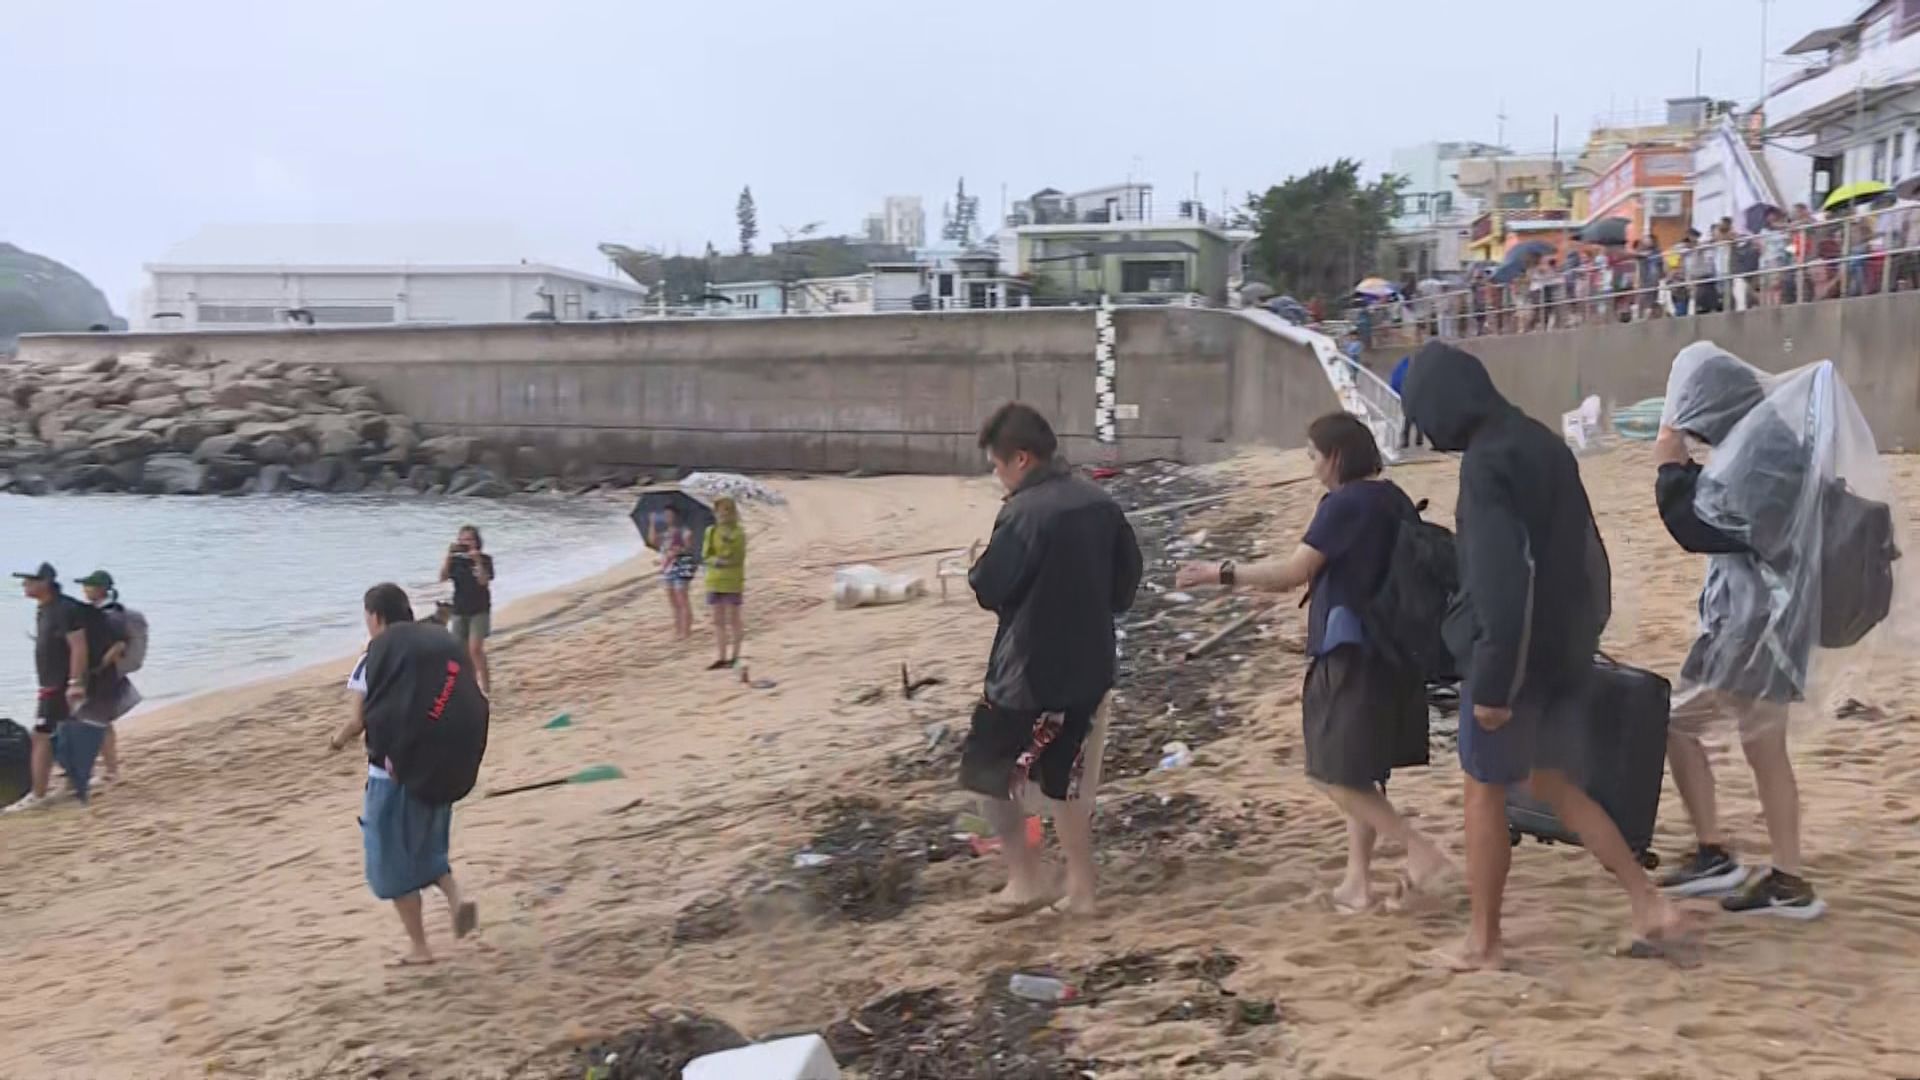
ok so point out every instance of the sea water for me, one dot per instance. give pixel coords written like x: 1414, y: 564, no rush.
x: 238, y: 589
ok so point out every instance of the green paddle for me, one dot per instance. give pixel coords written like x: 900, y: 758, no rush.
x: 564, y: 720
x: 585, y: 776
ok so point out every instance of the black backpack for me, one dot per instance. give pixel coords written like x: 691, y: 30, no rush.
x: 1857, y: 553
x: 426, y: 716
x: 1403, y: 618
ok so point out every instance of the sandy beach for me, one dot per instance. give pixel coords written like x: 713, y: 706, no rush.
x: 208, y: 917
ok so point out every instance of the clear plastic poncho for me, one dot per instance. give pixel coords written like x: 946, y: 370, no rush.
x: 1793, y: 476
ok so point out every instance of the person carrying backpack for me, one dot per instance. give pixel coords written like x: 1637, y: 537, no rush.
x: 1798, y: 559
x: 1363, y: 714
x: 128, y: 654
x: 425, y: 722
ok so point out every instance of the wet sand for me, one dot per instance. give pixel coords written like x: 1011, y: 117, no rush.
x: 208, y: 917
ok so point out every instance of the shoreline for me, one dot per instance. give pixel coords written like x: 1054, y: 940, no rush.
x: 518, y: 618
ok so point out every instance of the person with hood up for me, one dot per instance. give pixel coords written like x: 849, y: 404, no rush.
x: 1759, y: 617
x: 1536, y: 594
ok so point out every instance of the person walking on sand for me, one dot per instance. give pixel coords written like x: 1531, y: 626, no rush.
x: 128, y: 631
x: 1535, y: 596
x: 1362, y: 716
x: 1061, y: 563
x: 1753, y: 512
x: 68, y: 638
x: 470, y: 569
x: 415, y: 698
x: 678, y: 565
x: 724, y: 551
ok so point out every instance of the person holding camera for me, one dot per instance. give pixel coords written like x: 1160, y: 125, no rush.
x: 470, y: 569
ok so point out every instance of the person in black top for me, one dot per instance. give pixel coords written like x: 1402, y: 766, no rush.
x: 1362, y: 717
x: 1061, y: 563
x: 471, y: 570
x: 68, y: 637
x: 1536, y: 592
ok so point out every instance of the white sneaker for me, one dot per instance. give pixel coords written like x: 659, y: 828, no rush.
x: 27, y: 803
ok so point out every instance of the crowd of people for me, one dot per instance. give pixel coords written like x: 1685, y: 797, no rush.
x: 1789, y: 256
x: 1527, y: 594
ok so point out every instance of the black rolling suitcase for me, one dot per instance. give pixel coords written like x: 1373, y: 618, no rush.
x: 16, y: 749
x: 1625, y: 760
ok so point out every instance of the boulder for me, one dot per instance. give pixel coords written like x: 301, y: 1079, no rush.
x: 184, y: 435
x: 164, y: 405
x: 31, y: 483
x: 198, y: 399
x: 245, y: 392
x: 370, y: 426
x: 351, y: 481
x: 272, y: 480
x: 86, y: 478
x: 273, y: 450
x: 173, y: 474
x: 219, y: 446
x: 229, y: 472
x: 447, y: 451
x: 127, y: 446
x: 320, y: 474
x: 355, y: 399
x: 128, y: 473
x: 421, y: 477
x: 118, y: 424
x: 291, y: 430
x: 230, y: 417
x: 531, y: 461
x: 477, y: 483
x: 337, y: 442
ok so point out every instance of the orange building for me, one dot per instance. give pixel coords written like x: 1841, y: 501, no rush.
x: 1651, y: 186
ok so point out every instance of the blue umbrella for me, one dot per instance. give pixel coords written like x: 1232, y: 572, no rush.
x: 76, y: 746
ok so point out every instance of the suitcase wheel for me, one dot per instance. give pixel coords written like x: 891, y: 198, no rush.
x: 1650, y: 859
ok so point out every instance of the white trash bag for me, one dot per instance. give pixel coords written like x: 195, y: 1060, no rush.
x: 870, y: 586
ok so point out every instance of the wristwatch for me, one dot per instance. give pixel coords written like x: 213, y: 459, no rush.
x: 1226, y: 573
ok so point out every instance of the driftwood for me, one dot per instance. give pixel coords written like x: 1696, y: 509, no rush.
x: 888, y: 556
x: 1229, y: 630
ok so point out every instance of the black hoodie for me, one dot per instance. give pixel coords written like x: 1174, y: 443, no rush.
x: 1533, y: 571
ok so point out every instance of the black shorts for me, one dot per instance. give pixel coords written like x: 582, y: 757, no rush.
x: 1361, y: 719
x: 50, y: 710
x: 1005, y: 748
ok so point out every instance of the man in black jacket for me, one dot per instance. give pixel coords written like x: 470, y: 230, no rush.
x: 1061, y: 564
x: 1536, y: 593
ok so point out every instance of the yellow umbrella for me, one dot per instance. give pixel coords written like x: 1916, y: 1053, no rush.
x: 1858, y: 191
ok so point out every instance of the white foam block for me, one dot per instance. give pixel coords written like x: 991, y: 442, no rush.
x: 804, y: 1057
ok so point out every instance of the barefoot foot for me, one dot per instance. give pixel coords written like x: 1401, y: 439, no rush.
x: 1463, y: 958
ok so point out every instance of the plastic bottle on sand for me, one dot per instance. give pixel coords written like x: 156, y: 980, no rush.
x: 1043, y: 988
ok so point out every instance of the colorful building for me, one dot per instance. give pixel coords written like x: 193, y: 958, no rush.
x: 1649, y: 185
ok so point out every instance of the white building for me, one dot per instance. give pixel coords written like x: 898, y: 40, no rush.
x: 1729, y: 176
x: 1854, y: 110
x: 1432, y: 224
x: 253, y: 277
x: 192, y: 297
x: 902, y: 222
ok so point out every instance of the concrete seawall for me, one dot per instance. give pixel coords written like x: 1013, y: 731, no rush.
x: 884, y: 393
x: 1873, y: 340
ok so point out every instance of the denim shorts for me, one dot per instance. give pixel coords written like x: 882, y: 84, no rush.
x: 1544, y: 733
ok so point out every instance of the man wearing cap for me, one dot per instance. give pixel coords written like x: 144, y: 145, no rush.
x: 60, y: 655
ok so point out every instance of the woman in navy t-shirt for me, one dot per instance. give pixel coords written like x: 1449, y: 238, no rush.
x: 1361, y: 716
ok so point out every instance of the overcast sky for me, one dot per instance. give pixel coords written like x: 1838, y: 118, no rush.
x: 131, y: 124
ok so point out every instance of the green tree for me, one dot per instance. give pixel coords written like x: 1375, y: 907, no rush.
x: 749, y: 219
x: 1319, y: 232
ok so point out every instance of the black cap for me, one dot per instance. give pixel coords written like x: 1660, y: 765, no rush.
x: 46, y: 573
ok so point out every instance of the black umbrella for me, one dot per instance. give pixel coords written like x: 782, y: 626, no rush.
x: 1757, y: 215
x: 1516, y: 263
x: 650, y: 514
x: 1609, y: 232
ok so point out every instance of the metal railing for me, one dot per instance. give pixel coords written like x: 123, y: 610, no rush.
x: 1858, y: 255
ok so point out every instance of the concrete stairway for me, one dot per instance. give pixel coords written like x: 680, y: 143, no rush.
x: 1359, y: 391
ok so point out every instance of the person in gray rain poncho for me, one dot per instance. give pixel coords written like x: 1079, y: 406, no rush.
x: 1790, y: 510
